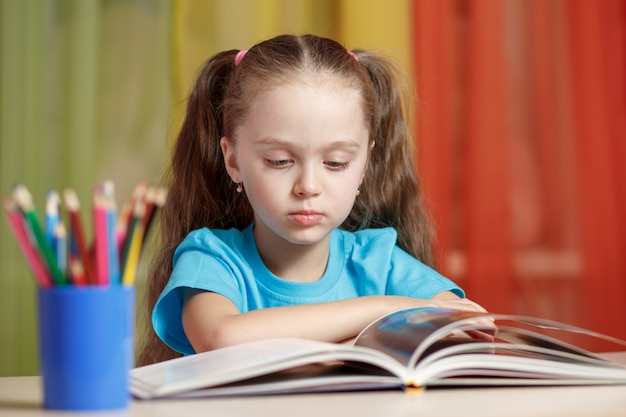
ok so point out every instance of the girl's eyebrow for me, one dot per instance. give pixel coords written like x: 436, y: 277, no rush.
x: 271, y: 141
x: 339, y: 143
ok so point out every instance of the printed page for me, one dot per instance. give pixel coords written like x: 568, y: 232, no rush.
x: 420, y: 331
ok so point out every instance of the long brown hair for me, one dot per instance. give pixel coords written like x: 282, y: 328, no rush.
x: 201, y: 194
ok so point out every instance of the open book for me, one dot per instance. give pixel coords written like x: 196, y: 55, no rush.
x: 413, y: 348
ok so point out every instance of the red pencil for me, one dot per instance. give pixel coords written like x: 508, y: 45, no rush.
x: 77, y: 272
x: 73, y: 207
x: 159, y: 201
x: 151, y: 195
x: 126, y: 213
x: 16, y: 222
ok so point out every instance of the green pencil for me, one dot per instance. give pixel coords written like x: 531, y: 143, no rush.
x: 24, y: 201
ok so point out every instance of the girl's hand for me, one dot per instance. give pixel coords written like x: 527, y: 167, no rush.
x: 464, y: 304
x: 444, y: 299
x: 486, y: 328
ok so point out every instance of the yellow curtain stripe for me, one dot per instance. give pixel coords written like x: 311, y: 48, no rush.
x: 201, y: 29
x: 375, y: 24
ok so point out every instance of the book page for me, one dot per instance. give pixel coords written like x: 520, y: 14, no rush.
x: 403, y: 333
x: 412, y: 335
x: 259, y: 358
x: 440, y: 344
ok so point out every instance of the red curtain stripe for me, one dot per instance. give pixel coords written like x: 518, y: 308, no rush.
x: 487, y: 216
x: 592, y: 74
x: 433, y: 36
x: 521, y: 143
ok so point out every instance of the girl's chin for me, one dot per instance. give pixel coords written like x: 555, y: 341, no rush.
x: 305, y: 235
x: 295, y: 233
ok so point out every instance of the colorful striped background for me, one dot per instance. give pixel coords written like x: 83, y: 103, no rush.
x: 520, y: 125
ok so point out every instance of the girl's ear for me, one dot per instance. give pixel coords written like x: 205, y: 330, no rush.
x: 230, y: 160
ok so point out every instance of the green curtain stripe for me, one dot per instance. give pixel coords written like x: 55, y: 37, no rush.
x: 85, y: 97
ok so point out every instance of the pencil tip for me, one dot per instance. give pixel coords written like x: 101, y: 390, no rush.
x: 52, y: 202
x: 71, y: 199
x: 161, y: 196
x: 22, y: 197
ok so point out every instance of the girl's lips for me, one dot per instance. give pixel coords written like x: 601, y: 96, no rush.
x: 306, y: 218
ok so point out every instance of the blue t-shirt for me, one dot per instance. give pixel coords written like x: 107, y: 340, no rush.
x: 227, y: 262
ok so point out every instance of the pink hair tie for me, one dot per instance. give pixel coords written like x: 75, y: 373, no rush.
x: 353, y: 55
x: 240, y: 56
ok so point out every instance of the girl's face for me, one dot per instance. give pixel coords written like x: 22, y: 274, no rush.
x: 301, y: 154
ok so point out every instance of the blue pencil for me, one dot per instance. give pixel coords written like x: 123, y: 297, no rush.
x: 60, y: 236
x: 114, y: 257
x: 52, y: 216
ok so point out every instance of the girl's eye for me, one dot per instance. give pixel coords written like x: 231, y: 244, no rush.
x: 278, y: 162
x: 337, y: 165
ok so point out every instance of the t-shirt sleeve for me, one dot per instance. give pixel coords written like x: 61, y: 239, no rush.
x: 410, y: 277
x: 194, y: 266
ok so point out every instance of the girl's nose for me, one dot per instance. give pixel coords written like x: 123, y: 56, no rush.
x: 308, y: 183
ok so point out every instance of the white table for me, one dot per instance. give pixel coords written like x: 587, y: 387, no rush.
x: 21, y: 396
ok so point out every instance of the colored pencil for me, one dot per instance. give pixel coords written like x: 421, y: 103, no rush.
x: 60, y: 245
x: 34, y: 261
x: 77, y: 271
x: 126, y: 214
x: 134, y: 244
x: 138, y: 208
x: 24, y: 201
x: 75, y: 267
x: 51, y: 216
x: 159, y: 201
x: 151, y: 195
x: 101, y: 244
x: 114, y: 255
x: 72, y: 204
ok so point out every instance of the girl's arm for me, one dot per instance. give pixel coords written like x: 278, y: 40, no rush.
x: 212, y: 321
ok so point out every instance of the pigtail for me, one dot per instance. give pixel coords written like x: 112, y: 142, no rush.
x: 391, y: 194
x: 198, y: 185
x: 205, y: 190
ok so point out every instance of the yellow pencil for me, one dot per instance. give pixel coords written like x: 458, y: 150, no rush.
x: 131, y: 260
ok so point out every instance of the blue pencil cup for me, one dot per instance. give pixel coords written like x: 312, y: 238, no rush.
x: 86, y: 343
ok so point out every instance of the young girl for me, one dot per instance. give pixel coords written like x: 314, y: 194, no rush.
x: 294, y: 208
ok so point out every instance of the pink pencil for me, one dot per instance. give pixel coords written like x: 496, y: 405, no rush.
x: 16, y: 222
x: 101, y: 240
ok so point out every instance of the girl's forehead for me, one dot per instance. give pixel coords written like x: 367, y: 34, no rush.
x: 307, y: 88
x: 320, y: 79
x: 305, y: 110
x: 303, y: 98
